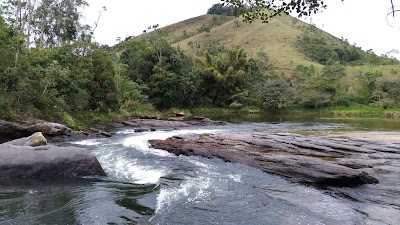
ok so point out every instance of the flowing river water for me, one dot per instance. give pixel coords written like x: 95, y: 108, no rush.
x: 151, y: 186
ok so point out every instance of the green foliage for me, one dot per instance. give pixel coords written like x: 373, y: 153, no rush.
x: 128, y: 90
x: 5, y: 109
x: 165, y: 70
x: 140, y: 59
x: 212, y: 46
x: 216, y: 21
x: 328, y: 80
x: 303, y: 71
x: 57, y: 22
x: 103, y: 94
x: 315, y: 99
x: 387, y: 94
x: 220, y: 9
x: 315, y: 46
x: 276, y: 94
x: 7, y: 37
x: 223, y: 75
x: 265, y: 10
x: 262, y: 59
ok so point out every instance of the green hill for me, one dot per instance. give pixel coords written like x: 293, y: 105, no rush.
x: 303, y: 61
x: 279, y: 38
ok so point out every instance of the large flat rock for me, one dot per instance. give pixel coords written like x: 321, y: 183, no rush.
x: 311, y: 160
x: 32, y: 157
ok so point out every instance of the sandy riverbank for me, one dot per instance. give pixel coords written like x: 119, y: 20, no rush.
x: 393, y: 137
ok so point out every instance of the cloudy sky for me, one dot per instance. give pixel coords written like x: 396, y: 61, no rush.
x: 363, y: 22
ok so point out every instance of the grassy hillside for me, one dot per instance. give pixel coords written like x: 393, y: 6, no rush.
x: 277, y: 38
x: 188, y: 28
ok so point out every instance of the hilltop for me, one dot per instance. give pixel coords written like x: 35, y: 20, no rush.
x: 279, y: 39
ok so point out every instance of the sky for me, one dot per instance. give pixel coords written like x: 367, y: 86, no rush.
x: 362, y: 22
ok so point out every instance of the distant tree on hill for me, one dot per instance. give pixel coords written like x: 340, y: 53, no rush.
x: 220, y: 9
x: 268, y: 9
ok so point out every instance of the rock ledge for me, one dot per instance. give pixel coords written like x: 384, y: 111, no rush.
x: 316, y: 161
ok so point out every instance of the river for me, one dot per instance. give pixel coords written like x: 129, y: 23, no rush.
x: 150, y: 186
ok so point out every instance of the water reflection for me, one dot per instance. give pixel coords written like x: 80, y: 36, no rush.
x: 74, y: 201
x: 41, y: 200
x: 354, y: 123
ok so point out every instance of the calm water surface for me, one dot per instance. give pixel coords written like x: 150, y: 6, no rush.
x: 150, y: 186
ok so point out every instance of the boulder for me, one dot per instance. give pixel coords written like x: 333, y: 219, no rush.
x: 30, y: 157
x: 11, y: 130
x: 36, y: 139
x: 49, y: 128
x: 141, y: 130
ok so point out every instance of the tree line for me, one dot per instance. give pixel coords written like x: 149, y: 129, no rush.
x: 51, y: 69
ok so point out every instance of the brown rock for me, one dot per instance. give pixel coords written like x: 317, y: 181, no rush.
x: 309, y: 160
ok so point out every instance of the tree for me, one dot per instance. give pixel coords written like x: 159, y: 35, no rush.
x: 223, y: 75
x: 220, y: 9
x: 7, y: 37
x: 58, y: 22
x: 268, y: 9
x: 276, y: 94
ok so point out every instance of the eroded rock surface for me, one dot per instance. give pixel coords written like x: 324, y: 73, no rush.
x: 311, y: 160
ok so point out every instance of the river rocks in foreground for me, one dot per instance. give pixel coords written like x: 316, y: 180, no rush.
x: 11, y: 130
x: 18, y: 159
x: 311, y: 160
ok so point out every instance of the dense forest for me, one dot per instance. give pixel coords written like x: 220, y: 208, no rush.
x: 51, y: 69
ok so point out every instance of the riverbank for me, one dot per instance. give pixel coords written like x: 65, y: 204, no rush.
x: 86, y: 120
x: 392, y: 137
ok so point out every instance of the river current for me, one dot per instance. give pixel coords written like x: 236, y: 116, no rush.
x: 151, y: 186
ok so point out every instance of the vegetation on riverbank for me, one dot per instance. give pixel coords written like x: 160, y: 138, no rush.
x: 205, y: 64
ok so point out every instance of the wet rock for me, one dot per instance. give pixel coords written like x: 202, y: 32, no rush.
x: 98, y: 132
x: 140, y: 130
x: 18, y: 159
x: 149, y: 117
x: 198, y: 118
x: 11, y: 130
x: 156, y: 123
x: 49, y: 128
x: 131, y: 124
x: 36, y: 139
x: 175, y: 119
x: 311, y: 160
